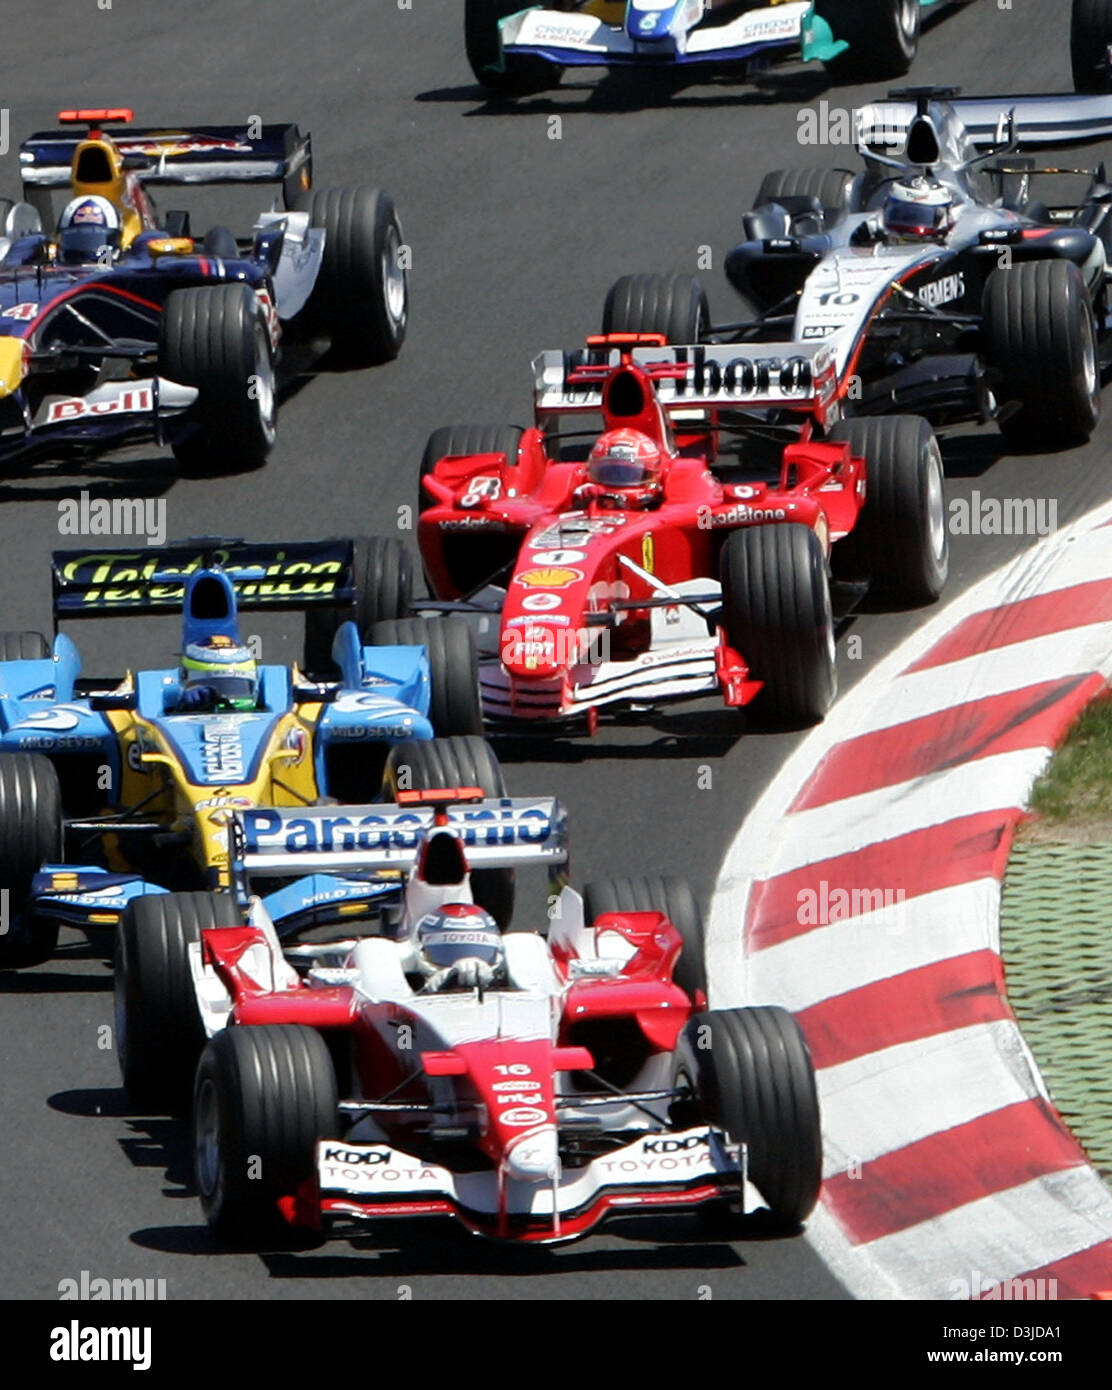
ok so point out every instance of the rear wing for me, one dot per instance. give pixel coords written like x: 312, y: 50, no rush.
x: 1039, y: 120
x: 794, y: 376
x: 202, y: 154
x: 502, y: 833
x: 136, y: 580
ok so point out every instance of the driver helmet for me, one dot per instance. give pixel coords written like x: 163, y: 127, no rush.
x: 86, y: 227
x: 223, y: 666
x: 457, y: 932
x: 919, y: 210
x: 625, y: 460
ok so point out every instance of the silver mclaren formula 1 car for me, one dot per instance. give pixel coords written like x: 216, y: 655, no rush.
x: 942, y: 275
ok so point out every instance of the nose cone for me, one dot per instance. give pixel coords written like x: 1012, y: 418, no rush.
x: 647, y: 25
x: 531, y: 651
x: 534, y: 1157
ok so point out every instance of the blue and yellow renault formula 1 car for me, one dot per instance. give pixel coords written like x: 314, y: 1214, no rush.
x: 129, y: 783
x: 516, y: 49
x: 118, y: 322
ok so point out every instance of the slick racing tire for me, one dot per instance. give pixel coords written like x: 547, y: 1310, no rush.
x: 383, y: 581
x: 465, y: 761
x: 675, y: 305
x: 263, y: 1097
x: 1041, y: 337
x: 217, y: 339
x: 1090, y: 36
x: 31, y: 835
x: 751, y: 1075
x: 23, y: 646
x: 466, y: 440
x: 361, y: 298
x: 883, y: 37
x: 159, y: 1032
x: 830, y: 186
x: 455, y: 706
x: 516, y: 76
x: 901, y: 542
x: 778, y: 618
x: 673, y: 897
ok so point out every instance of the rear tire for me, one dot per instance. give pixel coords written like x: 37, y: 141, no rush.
x: 263, y: 1097
x: 455, y: 706
x: 752, y: 1076
x: 382, y: 575
x: 466, y: 440
x: 883, y: 37
x: 830, y: 186
x: 216, y: 338
x: 673, y: 897
x: 159, y: 1032
x: 361, y: 297
x: 901, y: 542
x: 1040, y: 335
x: 457, y: 762
x: 31, y: 835
x: 778, y: 617
x: 1090, y: 36
x: 24, y: 646
x: 516, y: 76
x: 674, y: 305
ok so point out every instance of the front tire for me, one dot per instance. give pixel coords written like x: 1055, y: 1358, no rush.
x: 216, y: 338
x: 263, y: 1097
x: 883, y: 37
x: 159, y: 1032
x: 778, y: 617
x: 752, y: 1076
x: 31, y: 835
x: 901, y: 542
x: 830, y: 186
x: 1041, y: 336
x: 361, y: 297
x: 674, y: 305
x: 455, y: 706
x: 505, y: 77
x: 430, y: 764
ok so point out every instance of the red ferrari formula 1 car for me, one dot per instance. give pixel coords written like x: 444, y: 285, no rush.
x: 688, y: 548
x: 419, y: 1063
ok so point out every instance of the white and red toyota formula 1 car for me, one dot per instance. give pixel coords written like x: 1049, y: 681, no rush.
x: 528, y: 1083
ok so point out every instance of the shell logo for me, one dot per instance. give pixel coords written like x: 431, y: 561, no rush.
x: 549, y: 577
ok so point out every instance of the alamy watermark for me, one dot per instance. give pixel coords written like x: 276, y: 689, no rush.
x: 85, y: 515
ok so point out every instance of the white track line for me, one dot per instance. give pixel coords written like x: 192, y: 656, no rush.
x: 863, y: 950
x: 886, y: 1100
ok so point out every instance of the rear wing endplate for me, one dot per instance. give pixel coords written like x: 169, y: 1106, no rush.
x: 200, y: 155
x: 100, y: 583
x: 498, y: 833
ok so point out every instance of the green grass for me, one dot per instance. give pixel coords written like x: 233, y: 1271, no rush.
x: 1077, y: 784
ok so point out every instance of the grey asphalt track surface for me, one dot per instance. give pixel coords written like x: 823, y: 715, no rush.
x: 515, y: 238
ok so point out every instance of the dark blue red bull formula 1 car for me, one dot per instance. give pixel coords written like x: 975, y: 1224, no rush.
x: 119, y: 322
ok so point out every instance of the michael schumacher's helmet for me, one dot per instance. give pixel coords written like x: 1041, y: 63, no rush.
x: 625, y: 460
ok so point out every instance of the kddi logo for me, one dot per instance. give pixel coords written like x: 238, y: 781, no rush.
x: 674, y: 1146
x: 351, y: 1157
